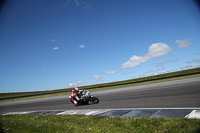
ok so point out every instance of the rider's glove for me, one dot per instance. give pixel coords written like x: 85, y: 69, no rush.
x: 77, y: 98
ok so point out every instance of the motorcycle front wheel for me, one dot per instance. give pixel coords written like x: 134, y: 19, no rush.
x: 94, y: 100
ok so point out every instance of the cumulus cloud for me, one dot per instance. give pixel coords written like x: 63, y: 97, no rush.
x: 82, y: 46
x: 109, y: 73
x: 155, y: 50
x: 184, y: 43
x: 55, y: 48
x: 97, y: 77
x: 76, y: 84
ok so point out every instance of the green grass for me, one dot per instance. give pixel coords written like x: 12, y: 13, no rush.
x: 99, y: 87
x: 96, y: 124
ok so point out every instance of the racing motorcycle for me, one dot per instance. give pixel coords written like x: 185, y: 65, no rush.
x: 85, y: 98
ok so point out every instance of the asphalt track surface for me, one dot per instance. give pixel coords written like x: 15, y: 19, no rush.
x: 179, y: 95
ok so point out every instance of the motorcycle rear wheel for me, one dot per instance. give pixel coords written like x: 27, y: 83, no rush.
x: 94, y: 100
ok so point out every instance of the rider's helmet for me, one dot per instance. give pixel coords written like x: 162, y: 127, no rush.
x: 76, y: 90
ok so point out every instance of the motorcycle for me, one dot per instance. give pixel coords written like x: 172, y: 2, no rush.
x: 85, y: 98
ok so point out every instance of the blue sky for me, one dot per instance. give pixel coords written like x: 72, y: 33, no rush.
x: 52, y: 44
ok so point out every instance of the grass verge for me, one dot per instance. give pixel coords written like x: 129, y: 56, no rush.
x: 79, y: 123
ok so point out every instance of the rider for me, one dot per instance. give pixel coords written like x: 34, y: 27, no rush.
x: 74, y: 96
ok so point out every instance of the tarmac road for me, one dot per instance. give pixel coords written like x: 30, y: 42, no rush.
x: 165, y: 95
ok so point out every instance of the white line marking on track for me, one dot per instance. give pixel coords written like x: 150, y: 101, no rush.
x: 13, y: 113
x: 91, y: 112
x: 195, y: 114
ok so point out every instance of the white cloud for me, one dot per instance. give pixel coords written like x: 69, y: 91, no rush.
x: 196, y: 66
x: 170, y: 70
x: 196, y: 60
x: 164, y: 71
x: 161, y: 64
x: 82, y: 46
x: 53, y: 40
x: 76, y: 84
x: 97, y: 77
x: 141, y: 75
x: 184, y: 43
x: 109, y: 73
x: 155, y: 50
x: 153, y: 70
x: 188, y: 67
x: 125, y: 73
x: 67, y: 2
x: 55, y: 48
x: 187, y: 61
x: 173, y: 53
x: 77, y: 2
x: 185, y: 67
